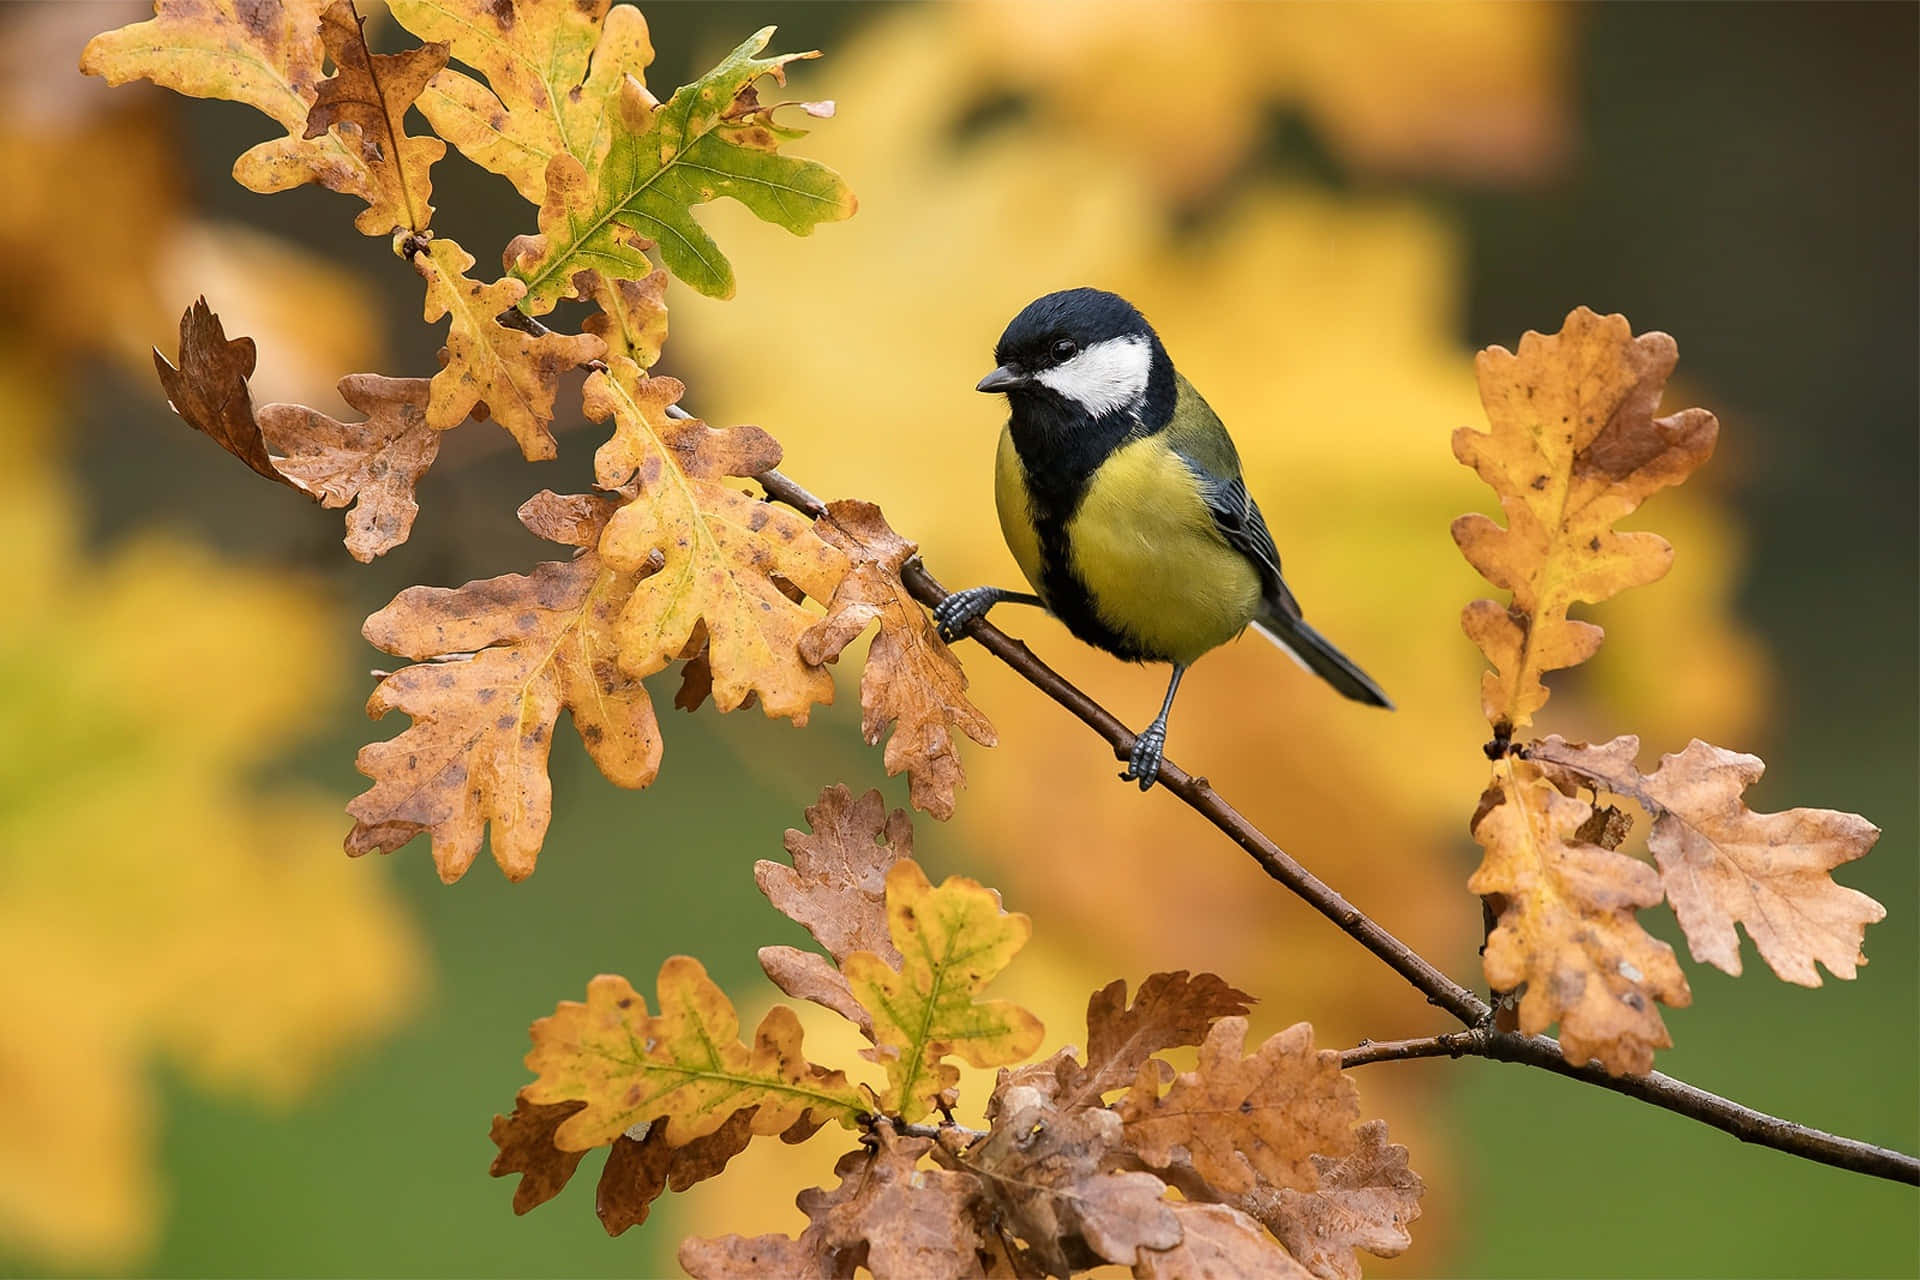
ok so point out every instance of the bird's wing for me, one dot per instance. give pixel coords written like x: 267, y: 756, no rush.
x: 1198, y: 436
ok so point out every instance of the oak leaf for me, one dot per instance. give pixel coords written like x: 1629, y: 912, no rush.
x: 551, y: 70
x: 366, y: 99
x: 506, y: 373
x: 1169, y: 1010
x: 1050, y: 1175
x: 1218, y: 1242
x: 632, y: 320
x: 639, y: 1170
x: 725, y: 556
x: 713, y: 138
x: 1722, y: 864
x: 525, y: 1142
x: 264, y: 53
x: 952, y: 941
x: 208, y: 389
x: 1574, y: 447
x: 1240, y: 1119
x: 755, y: 1257
x: 911, y: 681
x: 374, y: 464
x: 685, y: 1068
x: 1364, y: 1200
x: 1567, y: 928
x: 495, y: 662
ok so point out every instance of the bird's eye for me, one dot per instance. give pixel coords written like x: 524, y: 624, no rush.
x: 1065, y: 349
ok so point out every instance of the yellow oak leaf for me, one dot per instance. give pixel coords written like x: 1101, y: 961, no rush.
x: 952, y: 941
x: 366, y: 99
x: 1723, y: 864
x: 495, y: 662
x: 1574, y: 447
x: 1567, y: 928
x: 633, y: 314
x: 264, y: 53
x: 511, y: 374
x: 551, y: 75
x: 723, y: 554
x: 911, y: 681
x: 685, y: 1068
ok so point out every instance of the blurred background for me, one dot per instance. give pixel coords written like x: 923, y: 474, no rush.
x: 227, y: 1050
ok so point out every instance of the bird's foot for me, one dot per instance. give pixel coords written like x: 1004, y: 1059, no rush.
x: 953, y: 614
x: 1143, y: 766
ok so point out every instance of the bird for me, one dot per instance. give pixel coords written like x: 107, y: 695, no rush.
x: 1121, y: 498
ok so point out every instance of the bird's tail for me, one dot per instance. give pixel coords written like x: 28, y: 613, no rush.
x: 1311, y: 650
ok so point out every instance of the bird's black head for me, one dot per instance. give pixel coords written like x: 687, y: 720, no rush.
x: 1084, y: 351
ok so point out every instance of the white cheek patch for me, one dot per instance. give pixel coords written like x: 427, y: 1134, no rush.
x: 1106, y: 376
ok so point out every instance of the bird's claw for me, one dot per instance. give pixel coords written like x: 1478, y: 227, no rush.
x: 953, y: 614
x: 1143, y: 766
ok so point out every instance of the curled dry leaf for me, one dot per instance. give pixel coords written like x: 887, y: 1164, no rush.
x: 375, y: 464
x: 551, y: 77
x: 264, y: 53
x: 208, y: 389
x: 912, y: 680
x: 366, y: 101
x: 640, y: 1170
x: 685, y: 1068
x: 1169, y: 1010
x: 525, y: 1140
x: 724, y: 555
x: 1574, y: 447
x: 1242, y: 1119
x: 508, y: 374
x: 495, y: 662
x: 1218, y: 1242
x: 1050, y: 1176
x: 1567, y: 928
x: 1364, y: 1201
x: 952, y: 941
x: 1722, y: 864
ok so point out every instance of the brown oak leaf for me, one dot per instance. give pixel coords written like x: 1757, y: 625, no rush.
x: 366, y: 100
x: 495, y: 662
x: 1218, y: 1242
x: 1722, y: 864
x: 1364, y: 1201
x: 375, y: 464
x: 837, y: 886
x: 1239, y: 1118
x: 912, y: 680
x: 756, y: 1258
x: 208, y: 389
x: 639, y: 1170
x: 1169, y: 1010
x: 525, y: 1139
x: 506, y: 373
x: 1567, y: 928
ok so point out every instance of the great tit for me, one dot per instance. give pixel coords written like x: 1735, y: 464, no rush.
x: 1121, y: 498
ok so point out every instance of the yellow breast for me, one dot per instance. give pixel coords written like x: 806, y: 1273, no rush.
x: 1145, y: 546
x: 1016, y: 518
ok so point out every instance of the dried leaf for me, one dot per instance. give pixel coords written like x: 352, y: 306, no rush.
x: 1050, y: 1176
x: 899, y: 1221
x: 837, y: 886
x: 375, y: 464
x: 633, y: 314
x: 1169, y: 1010
x: 686, y: 1067
x: 806, y: 975
x: 712, y: 139
x: 264, y: 53
x: 1567, y: 928
x: 496, y: 660
x: 366, y: 100
x: 724, y: 554
x: 551, y: 74
x: 1246, y: 1119
x: 508, y: 374
x: 1364, y: 1201
x: 912, y: 681
x: 754, y: 1258
x: 209, y: 389
x: 639, y: 1171
x: 1218, y: 1243
x: 952, y: 941
x: 1723, y: 864
x: 525, y: 1139
x: 1574, y: 448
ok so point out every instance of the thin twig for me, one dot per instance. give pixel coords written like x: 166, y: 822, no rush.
x: 1656, y: 1088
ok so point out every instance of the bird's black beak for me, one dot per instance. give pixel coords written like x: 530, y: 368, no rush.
x: 1005, y: 378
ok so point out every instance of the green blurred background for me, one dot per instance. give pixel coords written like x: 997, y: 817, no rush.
x: 1742, y: 176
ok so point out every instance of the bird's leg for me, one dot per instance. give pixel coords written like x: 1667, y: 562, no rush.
x: 1143, y: 766
x: 954, y: 613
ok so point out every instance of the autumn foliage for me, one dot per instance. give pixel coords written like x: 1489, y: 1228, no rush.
x: 1235, y: 1157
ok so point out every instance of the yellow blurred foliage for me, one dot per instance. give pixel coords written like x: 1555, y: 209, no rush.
x: 1323, y: 329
